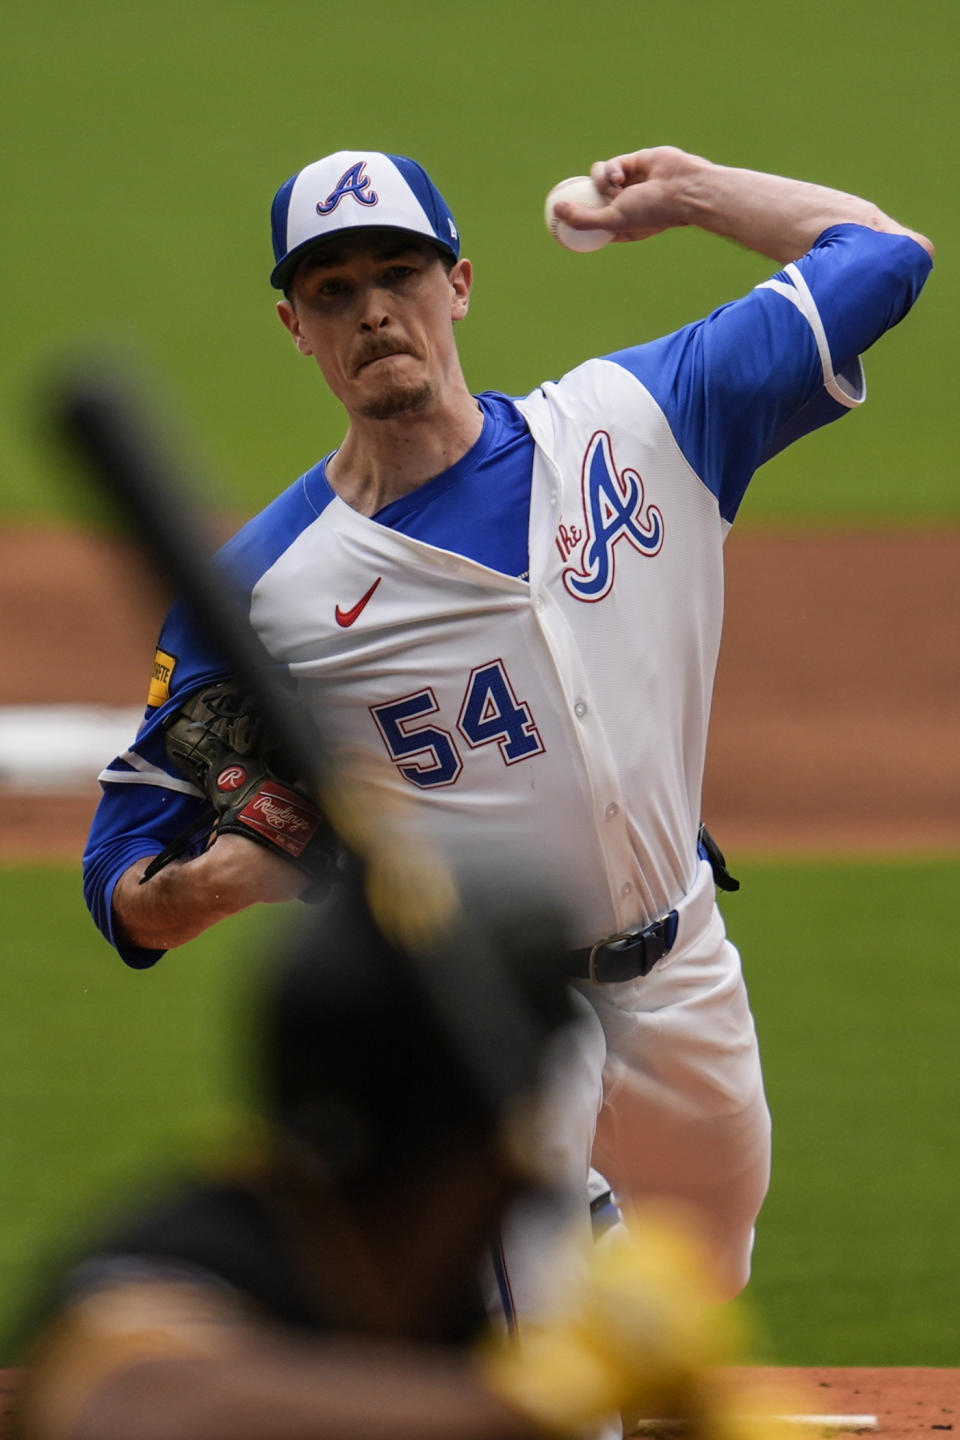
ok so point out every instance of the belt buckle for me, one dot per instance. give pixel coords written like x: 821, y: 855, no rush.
x: 663, y: 932
x: 602, y: 945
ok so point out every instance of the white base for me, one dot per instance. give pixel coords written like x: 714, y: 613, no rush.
x: 827, y: 1424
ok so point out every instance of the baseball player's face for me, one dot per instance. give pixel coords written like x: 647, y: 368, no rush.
x: 376, y: 311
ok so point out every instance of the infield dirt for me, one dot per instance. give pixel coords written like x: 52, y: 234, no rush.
x: 907, y: 1403
x: 835, y: 718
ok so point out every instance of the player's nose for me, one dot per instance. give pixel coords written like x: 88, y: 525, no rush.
x: 375, y: 311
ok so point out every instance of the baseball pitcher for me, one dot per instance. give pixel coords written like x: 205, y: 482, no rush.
x: 506, y: 614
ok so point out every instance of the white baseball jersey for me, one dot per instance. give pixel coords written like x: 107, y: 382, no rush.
x: 525, y: 648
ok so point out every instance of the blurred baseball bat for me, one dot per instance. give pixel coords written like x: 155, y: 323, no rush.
x: 413, y: 894
x: 106, y: 426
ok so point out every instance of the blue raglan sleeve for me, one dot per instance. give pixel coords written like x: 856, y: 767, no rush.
x: 765, y: 370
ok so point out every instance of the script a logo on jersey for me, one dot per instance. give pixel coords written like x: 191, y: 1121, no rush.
x: 352, y: 182
x: 613, y: 510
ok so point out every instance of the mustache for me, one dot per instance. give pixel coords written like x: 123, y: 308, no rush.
x: 377, y: 349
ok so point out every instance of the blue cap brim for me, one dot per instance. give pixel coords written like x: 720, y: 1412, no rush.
x: 283, y: 273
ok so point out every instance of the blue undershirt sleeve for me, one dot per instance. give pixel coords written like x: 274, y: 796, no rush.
x: 146, y: 802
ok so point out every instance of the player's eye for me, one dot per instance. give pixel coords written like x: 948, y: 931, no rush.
x: 331, y: 289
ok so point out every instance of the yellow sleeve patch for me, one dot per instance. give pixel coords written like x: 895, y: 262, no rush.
x: 163, y: 667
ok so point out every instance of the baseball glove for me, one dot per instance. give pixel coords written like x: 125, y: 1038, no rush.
x: 217, y: 739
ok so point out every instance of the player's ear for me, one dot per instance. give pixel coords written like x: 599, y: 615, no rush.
x: 291, y: 320
x: 461, y: 283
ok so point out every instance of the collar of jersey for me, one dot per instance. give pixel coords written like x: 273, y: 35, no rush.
x: 409, y: 504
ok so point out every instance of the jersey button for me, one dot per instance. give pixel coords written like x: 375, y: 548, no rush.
x: 580, y: 709
x: 612, y: 810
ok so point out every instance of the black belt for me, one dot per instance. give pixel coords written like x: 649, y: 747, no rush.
x: 626, y: 956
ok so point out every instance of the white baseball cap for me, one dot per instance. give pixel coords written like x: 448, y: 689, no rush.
x: 351, y: 190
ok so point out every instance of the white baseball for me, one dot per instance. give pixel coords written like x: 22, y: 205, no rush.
x: 582, y: 191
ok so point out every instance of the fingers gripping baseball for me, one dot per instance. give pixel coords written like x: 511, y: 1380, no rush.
x: 663, y: 163
x: 646, y: 192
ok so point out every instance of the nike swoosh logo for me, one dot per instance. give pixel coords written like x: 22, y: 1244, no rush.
x: 347, y: 617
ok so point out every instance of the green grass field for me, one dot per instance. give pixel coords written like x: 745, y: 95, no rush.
x: 144, y: 144
x: 852, y: 972
x: 110, y: 1074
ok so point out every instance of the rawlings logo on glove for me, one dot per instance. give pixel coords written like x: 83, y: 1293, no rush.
x: 281, y: 819
x: 218, y: 740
